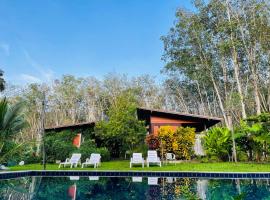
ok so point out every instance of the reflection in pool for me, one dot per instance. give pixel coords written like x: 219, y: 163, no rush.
x: 119, y: 188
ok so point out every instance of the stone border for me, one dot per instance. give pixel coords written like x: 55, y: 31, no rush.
x: 109, y: 173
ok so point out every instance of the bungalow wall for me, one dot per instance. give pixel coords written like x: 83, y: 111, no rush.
x: 156, y: 122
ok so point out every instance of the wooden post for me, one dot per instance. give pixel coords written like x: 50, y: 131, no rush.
x: 43, y: 131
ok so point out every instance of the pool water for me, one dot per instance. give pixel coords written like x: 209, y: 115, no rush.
x: 121, y: 188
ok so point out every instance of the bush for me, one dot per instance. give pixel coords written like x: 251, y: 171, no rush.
x: 58, y: 146
x: 218, y: 144
x: 89, y: 147
x: 185, y: 139
x: 180, y: 142
x: 104, y: 152
x: 152, y: 141
x: 242, y: 156
x: 86, y: 148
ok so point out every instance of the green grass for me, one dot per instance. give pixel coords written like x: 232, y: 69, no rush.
x: 124, y: 166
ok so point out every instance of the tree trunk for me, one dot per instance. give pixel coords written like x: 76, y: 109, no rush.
x: 236, y: 65
x: 219, y: 100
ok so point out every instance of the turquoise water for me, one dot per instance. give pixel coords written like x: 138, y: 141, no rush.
x: 121, y: 188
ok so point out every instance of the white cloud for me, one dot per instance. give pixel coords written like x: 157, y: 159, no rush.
x: 5, y: 48
x: 29, y: 78
x: 46, y: 73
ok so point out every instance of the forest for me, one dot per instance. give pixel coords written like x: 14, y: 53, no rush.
x: 216, y: 63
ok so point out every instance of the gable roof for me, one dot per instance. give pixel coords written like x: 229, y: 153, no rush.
x: 70, y: 126
x: 200, y: 121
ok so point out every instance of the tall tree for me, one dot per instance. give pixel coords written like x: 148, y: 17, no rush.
x: 2, y: 81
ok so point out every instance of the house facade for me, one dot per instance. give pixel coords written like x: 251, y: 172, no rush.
x: 154, y: 119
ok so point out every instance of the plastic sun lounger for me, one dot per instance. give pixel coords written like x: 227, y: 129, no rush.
x: 73, y: 161
x: 93, y: 160
x: 136, y: 159
x: 152, y: 158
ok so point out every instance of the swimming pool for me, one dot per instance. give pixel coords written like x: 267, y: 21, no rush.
x: 136, y: 187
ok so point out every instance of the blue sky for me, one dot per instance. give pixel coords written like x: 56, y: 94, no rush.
x: 42, y: 40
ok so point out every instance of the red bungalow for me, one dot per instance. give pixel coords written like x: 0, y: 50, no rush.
x: 156, y: 118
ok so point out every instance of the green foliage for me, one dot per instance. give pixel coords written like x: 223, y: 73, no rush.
x: 12, y: 121
x: 123, y: 131
x: 58, y: 145
x: 180, y: 142
x: 185, y: 138
x: 168, y: 141
x: 217, y: 143
x: 89, y: 146
x: 152, y: 141
x: 104, y: 152
x: 2, y: 81
x: 253, y: 136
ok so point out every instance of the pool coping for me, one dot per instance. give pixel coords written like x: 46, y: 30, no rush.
x: 117, y: 173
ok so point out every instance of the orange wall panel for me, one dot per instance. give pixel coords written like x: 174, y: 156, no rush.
x: 77, y: 140
x: 155, y: 119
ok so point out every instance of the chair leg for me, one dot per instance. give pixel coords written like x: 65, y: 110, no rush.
x: 130, y: 165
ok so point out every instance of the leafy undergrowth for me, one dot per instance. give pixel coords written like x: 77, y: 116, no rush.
x: 124, y: 166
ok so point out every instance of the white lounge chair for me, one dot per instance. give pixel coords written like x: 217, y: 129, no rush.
x: 152, y: 158
x: 74, y: 178
x: 93, y: 178
x: 152, y: 180
x: 73, y: 161
x: 170, y: 157
x: 136, y: 159
x: 93, y: 160
x: 170, y: 179
x: 137, y: 179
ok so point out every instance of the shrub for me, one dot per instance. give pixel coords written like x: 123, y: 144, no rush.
x: 180, y: 142
x: 89, y: 147
x: 152, y: 141
x: 217, y: 143
x: 58, y: 146
x: 166, y: 136
x: 185, y: 139
x: 104, y: 152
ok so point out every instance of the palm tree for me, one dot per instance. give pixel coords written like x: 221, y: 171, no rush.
x: 2, y: 81
x: 12, y: 121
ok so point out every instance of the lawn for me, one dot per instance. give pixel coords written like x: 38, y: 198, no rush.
x: 124, y: 166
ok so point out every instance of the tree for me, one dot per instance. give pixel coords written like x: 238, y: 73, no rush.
x: 2, y: 81
x: 219, y: 53
x: 12, y: 121
x: 122, y: 131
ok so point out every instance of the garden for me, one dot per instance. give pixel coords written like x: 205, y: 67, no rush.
x: 122, y: 134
